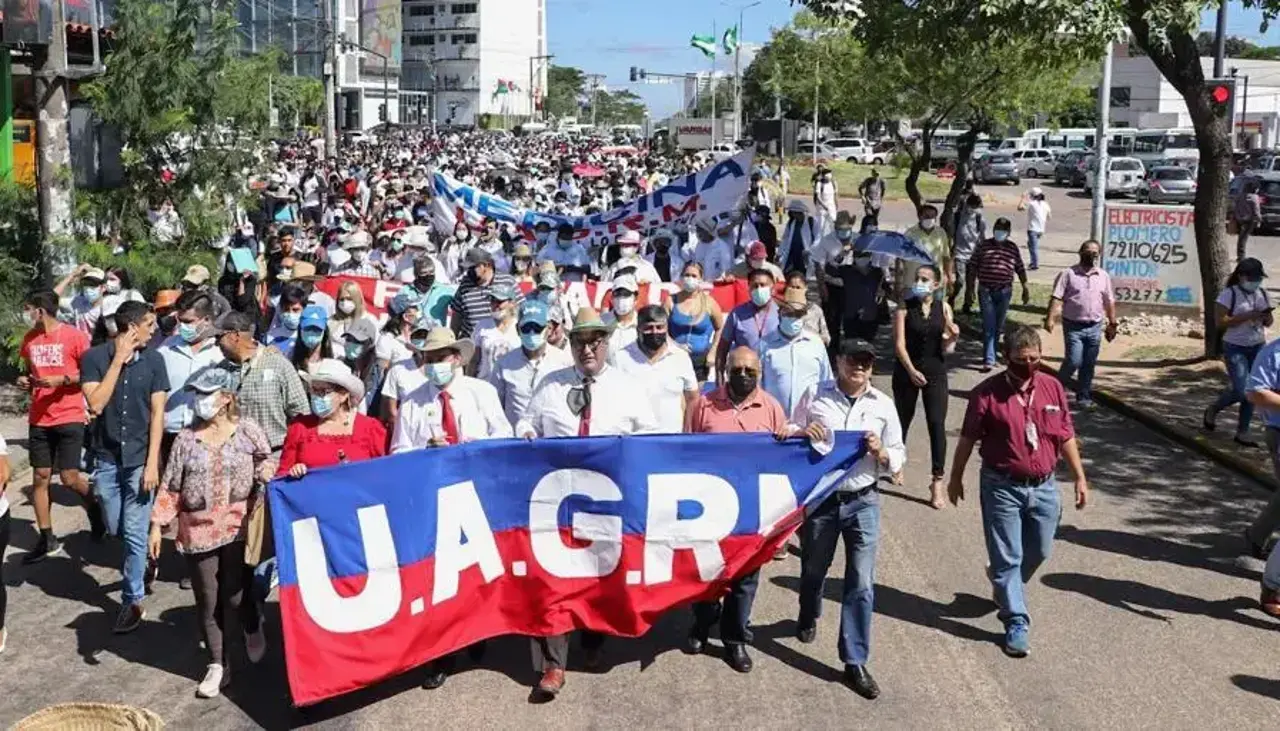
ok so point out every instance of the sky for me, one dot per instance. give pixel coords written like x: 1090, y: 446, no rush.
x: 610, y: 36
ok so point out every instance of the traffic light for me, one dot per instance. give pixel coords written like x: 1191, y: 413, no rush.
x: 643, y: 74
x: 1222, y: 95
x: 382, y: 112
x: 634, y: 74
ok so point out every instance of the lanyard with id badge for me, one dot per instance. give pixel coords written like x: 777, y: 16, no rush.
x: 1029, y: 426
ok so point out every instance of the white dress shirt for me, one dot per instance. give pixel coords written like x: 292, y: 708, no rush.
x: 493, y: 342
x: 873, y: 412
x: 790, y: 367
x: 617, y: 406
x: 668, y: 379
x: 716, y: 258
x: 477, y: 414
x: 403, y: 378
x: 517, y: 377
x: 624, y: 333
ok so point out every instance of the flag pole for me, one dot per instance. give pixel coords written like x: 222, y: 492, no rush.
x: 737, y: 77
x: 711, y: 83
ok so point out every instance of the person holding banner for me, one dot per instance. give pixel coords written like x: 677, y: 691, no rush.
x: 667, y: 369
x: 852, y: 512
x: 793, y: 360
x: 335, y: 432
x: 696, y: 320
x: 590, y: 399
x: 750, y: 323
x: 520, y: 371
x: 454, y: 249
x: 736, y: 407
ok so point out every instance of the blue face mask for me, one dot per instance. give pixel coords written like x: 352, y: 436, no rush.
x: 921, y: 289
x: 189, y: 332
x: 844, y: 234
x: 311, y: 338
x: 440, y: 373
x: 1250, y: 285
x: 93, y: 295
x: 760, y: 296
x: 790, y: 326
x: 291, y: 320
x: 1000, y: 235
x: 532, y: 341
x: 322, y: 406
x: 353, y: 351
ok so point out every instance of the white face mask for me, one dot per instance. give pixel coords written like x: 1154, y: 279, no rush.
x: 624, y: 305
x: 928, y: 223
x: 346, y: 307
x: 628, y: 252
x: 208, y: 406
x: 113, y: 286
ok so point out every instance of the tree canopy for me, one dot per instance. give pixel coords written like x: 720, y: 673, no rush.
x: 570, y: 95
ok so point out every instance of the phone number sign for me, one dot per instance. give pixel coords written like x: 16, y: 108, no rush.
x: 1150, y: 253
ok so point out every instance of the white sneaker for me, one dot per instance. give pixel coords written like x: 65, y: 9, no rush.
x: 255, y: 646
x: 4, y: 638
x: 211, y: 686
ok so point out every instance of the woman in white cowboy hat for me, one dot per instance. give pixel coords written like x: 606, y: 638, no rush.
x: 335, y: 432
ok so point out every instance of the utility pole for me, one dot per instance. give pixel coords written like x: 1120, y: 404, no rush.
x: 595, y: 95
x: 737, y: 71
x: 1220, y: 40
x: 53, y: 182
x: 330, y: 93
x: 817, y: 76
x: 777, y: 91
x: 1097, y: 220
x: 532, y: 100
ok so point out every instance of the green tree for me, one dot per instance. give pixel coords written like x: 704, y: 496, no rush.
x: 808, y: 55
x: 564, y: 87
x: 619, y: 107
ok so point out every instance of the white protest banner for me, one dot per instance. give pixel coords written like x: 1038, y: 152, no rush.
x: 1150, y: 253
x: 703, y: 194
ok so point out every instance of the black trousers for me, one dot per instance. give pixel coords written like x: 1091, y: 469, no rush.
x: 218, y: 581
x: 733, y: 612
x: 935, y: 408
x: 833, y: 311
x: 553, y: 652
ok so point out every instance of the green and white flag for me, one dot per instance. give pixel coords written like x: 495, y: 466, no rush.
x: 706, y: 44
x: 730, y: 40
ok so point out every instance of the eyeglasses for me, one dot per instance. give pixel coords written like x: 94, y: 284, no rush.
x: 743, y: 371
x: 591, y: 344
x: 531, y: 328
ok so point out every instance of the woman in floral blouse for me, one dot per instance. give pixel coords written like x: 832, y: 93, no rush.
x: 214, y: 476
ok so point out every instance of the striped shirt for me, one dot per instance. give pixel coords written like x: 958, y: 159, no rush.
x: 996, y: 263
x: 470, y: 303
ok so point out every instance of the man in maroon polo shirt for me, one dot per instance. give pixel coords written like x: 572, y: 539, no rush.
x: 1022, y: 419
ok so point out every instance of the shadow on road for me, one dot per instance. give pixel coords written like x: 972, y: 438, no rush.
x: 1149, y: 601
x: 1217, y: 552
x: 1261, y: 686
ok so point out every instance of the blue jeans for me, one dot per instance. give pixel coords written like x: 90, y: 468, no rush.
x: 1082, y: 341
x: 1018, y: 523
x: 994, y: 304
x: 857, y: 519
x: 1239, y: 360
x: 1033, y: 248
x: 127, y: 512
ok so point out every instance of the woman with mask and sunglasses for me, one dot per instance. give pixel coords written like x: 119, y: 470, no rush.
x: 696, y: 319
x: 335, y: 432
x: 215, y: 473
x: 1244, y: 313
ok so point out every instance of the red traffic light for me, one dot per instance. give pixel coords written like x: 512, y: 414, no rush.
x: 1220, y: 94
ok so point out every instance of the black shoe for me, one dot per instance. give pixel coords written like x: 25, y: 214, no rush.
x: 435, y: 677
x: 1206, y: 421
x: 47, y: 546
x: 149, y: 576
x: 807, y: 634
x: 859, y: 678
x: 1257, y: 550
x: 97, y: 526
x: 696, y: 642
x: 476, y: 651
x: 185, y: 583
x: 737, y: 657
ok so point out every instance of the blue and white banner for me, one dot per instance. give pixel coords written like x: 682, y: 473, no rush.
x: 706, y: 193
x: 387, y: 564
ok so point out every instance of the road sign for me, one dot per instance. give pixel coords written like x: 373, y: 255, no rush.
x: 1150, y: 253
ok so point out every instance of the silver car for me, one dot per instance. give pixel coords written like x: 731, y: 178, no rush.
x: 1167, y: 184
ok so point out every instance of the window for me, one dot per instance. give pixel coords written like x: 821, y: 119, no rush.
x: 418, y: 11
x: 462, y: 38
x: 462, y: 8
x: 1173, y: 174
x: 1148, y: 143
x: 422, y: 40
x: 1126, y: 165
x: 1120, y: 96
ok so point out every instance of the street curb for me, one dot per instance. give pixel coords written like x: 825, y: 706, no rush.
x: 1190, y: 440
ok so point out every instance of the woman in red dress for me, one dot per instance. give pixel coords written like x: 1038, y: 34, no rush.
x: 335, y: 432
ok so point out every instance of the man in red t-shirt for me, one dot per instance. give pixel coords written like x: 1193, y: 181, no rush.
x: 51, y: 353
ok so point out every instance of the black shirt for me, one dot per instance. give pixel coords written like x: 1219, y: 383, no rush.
x: 121, y: 432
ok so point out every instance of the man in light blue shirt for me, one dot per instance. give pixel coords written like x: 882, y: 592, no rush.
x: 187, y: 354
x: 1263, y: 391
x: 793, y: 360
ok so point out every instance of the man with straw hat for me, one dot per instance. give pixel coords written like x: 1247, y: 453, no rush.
x: 589, y: 399
x: 450, y: 408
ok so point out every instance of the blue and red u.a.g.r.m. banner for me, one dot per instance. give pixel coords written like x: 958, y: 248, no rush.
x: 387, y: 564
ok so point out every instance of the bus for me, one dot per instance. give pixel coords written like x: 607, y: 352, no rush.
x: 1119, y: 139
x: 24, y: 151
x: 1153, y: 145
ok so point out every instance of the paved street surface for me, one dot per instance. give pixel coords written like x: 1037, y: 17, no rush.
x: 1144, y: 617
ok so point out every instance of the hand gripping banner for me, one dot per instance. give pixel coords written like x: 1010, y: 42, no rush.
x: 385, y: 565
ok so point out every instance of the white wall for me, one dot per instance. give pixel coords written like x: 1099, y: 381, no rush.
x: 510, y: 35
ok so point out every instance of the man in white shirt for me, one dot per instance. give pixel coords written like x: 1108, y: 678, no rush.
x: 589, y: 399
x: 630, y: 262
x: 715, y: 255
x: 496, y: 336
x: 448, y: 408
x: 793, y: 359
x: 667, y: 370
x: 622, y: 314
x: 849, y: 403
x: 1038, y: 213
x: 519, y: 372
x: 404, y: 376
x: 564, y: 251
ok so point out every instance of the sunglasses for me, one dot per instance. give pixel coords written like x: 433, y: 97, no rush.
x: 743, y: 372
x: 531, y: 328
x: 592, y: 344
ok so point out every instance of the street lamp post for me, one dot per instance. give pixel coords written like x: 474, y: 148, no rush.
x: 737, y: 70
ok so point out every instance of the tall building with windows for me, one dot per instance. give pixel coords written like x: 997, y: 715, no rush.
x: 467, y: 59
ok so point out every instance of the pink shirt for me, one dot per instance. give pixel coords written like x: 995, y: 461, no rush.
x: 715, y: 413
x: 1084, y: 294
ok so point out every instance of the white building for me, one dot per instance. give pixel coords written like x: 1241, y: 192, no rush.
x: 467, y: 59
x: 1141, y: 97
x: 362, y: 90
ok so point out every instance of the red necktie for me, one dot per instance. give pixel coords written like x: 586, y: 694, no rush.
x: 448, y: 419
x: 584, y: 419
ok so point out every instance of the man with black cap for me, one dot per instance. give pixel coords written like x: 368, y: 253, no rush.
x: 472, y: 302
x: 848, y: 403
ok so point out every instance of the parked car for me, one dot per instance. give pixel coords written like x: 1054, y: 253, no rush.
x: 1124, y: 175
x: 1069, y: 169
x: 857, y: 150
x: 825, y: 151
x: 1268, y: 195
x: 1034, y: 163
x: 1167, y: 184
x: 997, y: 167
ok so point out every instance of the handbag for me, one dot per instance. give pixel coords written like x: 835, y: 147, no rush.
x: 1233, y: 226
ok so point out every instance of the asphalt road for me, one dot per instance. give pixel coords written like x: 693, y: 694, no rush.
x: 1143, y: 617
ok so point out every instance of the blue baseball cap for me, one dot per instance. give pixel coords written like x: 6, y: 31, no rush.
x: 407, y: 297
x: 313, y: 316
x: 503, y: 293
x: 535, y: 311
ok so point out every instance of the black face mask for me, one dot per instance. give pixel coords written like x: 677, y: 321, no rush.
x: 741, y: 385
x: 1087, y: 260
x: 424, y: 283
x: 167, y: 323
x: 651, y: 342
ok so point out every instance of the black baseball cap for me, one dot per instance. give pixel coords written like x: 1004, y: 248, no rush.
x: 1250, y: 267
x: 856, y: 347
